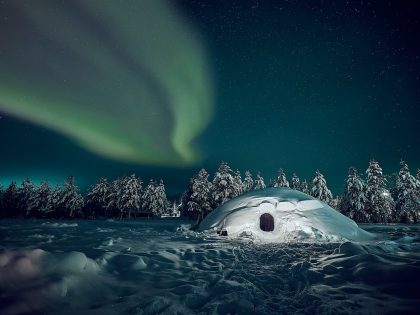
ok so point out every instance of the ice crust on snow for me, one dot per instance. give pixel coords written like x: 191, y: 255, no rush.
x: 297, y: 216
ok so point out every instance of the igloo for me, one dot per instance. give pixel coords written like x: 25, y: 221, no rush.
x: 281, y: 215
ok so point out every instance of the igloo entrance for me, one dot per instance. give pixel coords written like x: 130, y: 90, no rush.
x: 266, y: 222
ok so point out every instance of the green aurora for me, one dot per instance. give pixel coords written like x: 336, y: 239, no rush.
x: 127, y: 80
x: 105, y: 88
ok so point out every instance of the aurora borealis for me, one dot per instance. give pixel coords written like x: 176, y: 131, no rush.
x: 163, y: 88
x: 127, y: 80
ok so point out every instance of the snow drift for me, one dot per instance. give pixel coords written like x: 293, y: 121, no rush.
x: 281, y: 215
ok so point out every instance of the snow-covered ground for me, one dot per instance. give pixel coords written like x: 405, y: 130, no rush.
x: 294, y: 216
x: 158, y: 266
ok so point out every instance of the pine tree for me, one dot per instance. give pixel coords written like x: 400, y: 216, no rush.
x: 10, y: 200
x: 319, y: 188
x: 380, y: 205
x: 39, y: 204
x: 55, y: 203
x: 71, y: 201
x: 281, y: 180
x: 259, y: 182
x: 304, y: 187
x: 408, y: 201
x: 25, y: 192
x: 354, y: 197
x: 199, y: 202
x: 238, y: 182
x: 98, y: 197
x: 114, y: 197
x: 295, y: 182
x: 248, y: 183
x: 149, y: 203
x: 175, y: 212
x: 129, y: 195
x: 224, y: 187
x: 44, y: 199
x: 161, y: 202
x: 336, y: 202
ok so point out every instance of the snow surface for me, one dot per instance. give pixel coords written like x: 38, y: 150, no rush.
x: 161, y: 267
x: 297, y: 217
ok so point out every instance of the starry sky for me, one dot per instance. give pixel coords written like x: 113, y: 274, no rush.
x: 104, y: 88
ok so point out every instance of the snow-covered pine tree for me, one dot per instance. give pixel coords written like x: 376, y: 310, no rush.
x: 175, y: 212
x: 71, y: 201
x: 238, y: 182
x: 295, y: 182
x: 167, y: 208
x: 408, y: 199
x: 161, y: 202
x: 55, y: 203
x: 354, y: 197
x: 136, y: 185
x: 32, y: 205
x: 39, y: 204
x: 129, y: 197
x: 43, y: 194
x: 281, y: 180
x: 10, y: 201
x: 25, y: 192
x: 418, y: 179
x: 149, y: 198
x: 379, y: 202
x: 248, y: 182
x: 259, y: 182
x: 199, y: 203
x: 336, y: 202
x: 304, y: 187
x: 113, y: 198
x: 98, y: 197
x: 405, y: 184
x: 224, y: 187
x: 319, y: 188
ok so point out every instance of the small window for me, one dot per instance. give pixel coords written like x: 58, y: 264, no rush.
x: 266, y: 222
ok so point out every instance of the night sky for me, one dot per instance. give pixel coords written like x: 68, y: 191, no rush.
x: 105, y: 88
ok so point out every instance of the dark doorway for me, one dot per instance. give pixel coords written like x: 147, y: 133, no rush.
x: 266, y: 222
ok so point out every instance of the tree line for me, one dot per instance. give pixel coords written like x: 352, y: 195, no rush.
x: 124, y: 197
x: 374, y: 198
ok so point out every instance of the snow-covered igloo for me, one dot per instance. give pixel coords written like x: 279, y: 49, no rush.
x: 281, y: 215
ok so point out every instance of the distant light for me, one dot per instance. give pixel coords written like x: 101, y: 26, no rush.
x: 385, y: 194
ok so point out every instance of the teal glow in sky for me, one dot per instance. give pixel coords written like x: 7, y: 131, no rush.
x: 127, y: 80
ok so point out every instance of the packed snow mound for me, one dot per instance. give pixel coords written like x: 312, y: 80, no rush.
x: 281, y: 215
